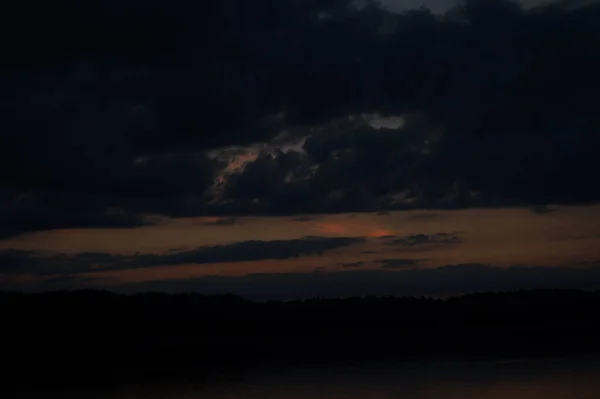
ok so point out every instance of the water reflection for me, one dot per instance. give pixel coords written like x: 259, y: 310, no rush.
x: 526, y: 379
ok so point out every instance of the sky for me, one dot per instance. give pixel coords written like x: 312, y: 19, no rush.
x: 300, y: 148
x: 442, y: 6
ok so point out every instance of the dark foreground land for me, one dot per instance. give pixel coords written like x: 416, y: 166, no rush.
x: 94, y: 334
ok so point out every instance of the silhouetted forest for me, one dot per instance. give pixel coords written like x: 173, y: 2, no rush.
x: 94, y: 333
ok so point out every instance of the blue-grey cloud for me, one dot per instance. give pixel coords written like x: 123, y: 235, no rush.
x: 14, y: 262
x: 542, y: 209
x: 396, y: 264
x: 425, y: 242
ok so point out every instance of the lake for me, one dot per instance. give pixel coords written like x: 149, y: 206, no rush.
x: 507, y: 379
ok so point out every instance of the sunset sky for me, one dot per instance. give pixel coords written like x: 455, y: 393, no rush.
x: 282, y: 149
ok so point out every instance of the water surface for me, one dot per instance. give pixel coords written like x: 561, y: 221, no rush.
x: 514, y: 379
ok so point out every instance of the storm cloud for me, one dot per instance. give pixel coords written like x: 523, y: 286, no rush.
x: 110, y: 116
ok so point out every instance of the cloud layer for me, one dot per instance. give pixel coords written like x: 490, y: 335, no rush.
x: 110, y: 116
x: 14, y: 262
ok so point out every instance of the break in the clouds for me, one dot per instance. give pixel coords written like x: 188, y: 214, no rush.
x: 279, y: 107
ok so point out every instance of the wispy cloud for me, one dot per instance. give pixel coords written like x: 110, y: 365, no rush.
x: 351, y: 264
x: 424, y: 242
x: 23, y: 262
x: 398, y: 263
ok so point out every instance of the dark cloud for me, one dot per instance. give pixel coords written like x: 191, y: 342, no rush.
x: 116, y: 110
x: 483, y: 136
x: 22, y: 215
x: 395, y: 264
x: 463, y: 278
x: 19, y: 263
x: 116, y: 193
x: 14, y: 262
x: 426, y: 241
x: 351, y: 264
x: 386, y: 237
x: 345, y: 166
x: 542, y: 209
x: 241, y: 252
